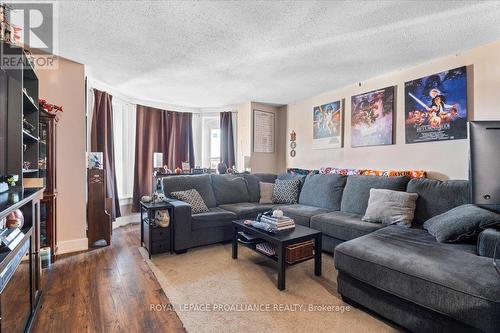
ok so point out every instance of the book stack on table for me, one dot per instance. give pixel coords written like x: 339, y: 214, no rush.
x: 278, y: 223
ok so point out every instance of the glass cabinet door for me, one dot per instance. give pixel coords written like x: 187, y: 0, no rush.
x: 42, y: 162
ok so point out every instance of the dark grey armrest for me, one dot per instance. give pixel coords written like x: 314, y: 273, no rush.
x: 487, y: 241
x: 182, y: 224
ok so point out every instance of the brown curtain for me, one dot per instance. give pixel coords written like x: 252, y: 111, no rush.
x: 227, y: 139
x: 164, y: 132
x: 102, y: 141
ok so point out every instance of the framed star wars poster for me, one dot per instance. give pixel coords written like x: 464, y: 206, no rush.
x: 436, y: 107
x: 372, y: 117
x: 327, y: 125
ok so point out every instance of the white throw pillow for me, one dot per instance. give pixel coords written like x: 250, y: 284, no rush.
x: 389, y: 207
x: 266, y: 193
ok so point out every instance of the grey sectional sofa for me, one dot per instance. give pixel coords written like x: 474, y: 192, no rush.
x: 401, y: 273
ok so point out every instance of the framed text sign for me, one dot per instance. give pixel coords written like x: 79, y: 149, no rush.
x: 263, y: 131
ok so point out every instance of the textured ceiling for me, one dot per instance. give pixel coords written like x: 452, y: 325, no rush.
x: 208, y: 54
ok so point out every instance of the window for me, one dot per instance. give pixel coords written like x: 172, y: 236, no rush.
x: 207, y: 138
x: 214, y: 147
x: 124, y: 143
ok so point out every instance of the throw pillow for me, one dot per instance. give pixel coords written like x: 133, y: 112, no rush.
x: 266, y: 193
x: 389, y: 207
x: 193, y: 198
x: 460, y: 223
x: 286, y: 191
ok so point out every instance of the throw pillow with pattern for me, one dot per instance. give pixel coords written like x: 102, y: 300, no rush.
x: 193, y: 198
x: 286, y: 191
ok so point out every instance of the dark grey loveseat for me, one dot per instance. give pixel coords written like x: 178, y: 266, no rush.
x: 228, y: 198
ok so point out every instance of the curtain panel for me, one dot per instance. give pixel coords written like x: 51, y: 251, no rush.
x: 227, y: 139
x: 160, y: 131
x: 101, y: 140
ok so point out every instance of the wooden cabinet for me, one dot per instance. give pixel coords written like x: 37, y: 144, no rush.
x: 47, y: 169
x: 20, y: 283
x: 99, y: 224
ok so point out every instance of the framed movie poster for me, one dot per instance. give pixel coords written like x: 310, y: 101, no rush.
x: 327, y: 125
x: 436, y: 107
x: 372, y: 117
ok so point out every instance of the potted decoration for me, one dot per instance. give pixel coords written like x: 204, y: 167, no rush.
x: 49, y: 108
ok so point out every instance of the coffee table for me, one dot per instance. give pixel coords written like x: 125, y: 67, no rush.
x: 280, y: 240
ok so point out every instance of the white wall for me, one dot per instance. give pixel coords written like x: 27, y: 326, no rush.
x: 442, y: 160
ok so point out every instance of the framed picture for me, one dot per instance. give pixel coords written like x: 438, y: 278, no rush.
x: 263, y: 131
x: 94, y: 160
x: 327, y: 125
x: 436, y: 107
x: 186, y: 167
x: 372, y: 118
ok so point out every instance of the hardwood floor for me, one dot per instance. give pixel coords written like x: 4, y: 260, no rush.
x: 104, y: 290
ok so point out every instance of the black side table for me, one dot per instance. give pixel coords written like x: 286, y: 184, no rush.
x: 156, y: 239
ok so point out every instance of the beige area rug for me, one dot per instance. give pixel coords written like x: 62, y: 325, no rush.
x: 211, y: 292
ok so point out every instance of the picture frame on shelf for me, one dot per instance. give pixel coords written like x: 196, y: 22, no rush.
x: 95, y: 160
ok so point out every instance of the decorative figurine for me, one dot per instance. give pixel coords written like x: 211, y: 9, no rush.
x: 162, y: 218
x: 10, y: 179
x: 146, y: 199
x: 277, y: 213
x: 15, y: 219
x: 161, y: 197
x: 221, y: 168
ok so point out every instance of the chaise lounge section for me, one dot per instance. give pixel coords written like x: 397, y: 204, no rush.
x: 405, y: 275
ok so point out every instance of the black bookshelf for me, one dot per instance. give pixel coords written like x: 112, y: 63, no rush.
x: 23, y: 116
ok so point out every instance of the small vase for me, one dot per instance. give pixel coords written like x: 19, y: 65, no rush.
x: 221, y: 168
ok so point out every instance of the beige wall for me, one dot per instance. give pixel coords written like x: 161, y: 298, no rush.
x: 244, y: 140
x: 443, y: 160
x: 66, y: 86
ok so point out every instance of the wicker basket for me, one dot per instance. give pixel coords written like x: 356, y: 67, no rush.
x: 300, y: 251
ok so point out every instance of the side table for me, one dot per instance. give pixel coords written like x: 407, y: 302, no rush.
x: 156, y: 239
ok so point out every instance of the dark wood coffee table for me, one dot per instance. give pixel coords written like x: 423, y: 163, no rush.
x: 281, y: 241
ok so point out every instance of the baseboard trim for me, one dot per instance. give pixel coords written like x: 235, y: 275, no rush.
x: 124, y: 220
x: 73, y: 245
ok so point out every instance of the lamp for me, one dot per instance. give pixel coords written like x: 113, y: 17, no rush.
x: 157, y: 160
x: 246, y: 162
x: 157, y: 165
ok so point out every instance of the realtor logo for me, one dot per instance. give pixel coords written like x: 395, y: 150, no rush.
x: 31, y: 25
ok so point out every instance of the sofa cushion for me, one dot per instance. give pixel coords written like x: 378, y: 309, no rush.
x: 302, y: 213
x: 286, y: 191
x: 253, y: 181
x: 323, y: 191
x: 459, y: 223
x: 230, y: 189
x: 193, y: 198
x: 200, y: 183
x: 215, y: 217
x: 344, y: 226
x: 266, y: 193
x: 389, y: 207
x: 289, y: 176
x: 246, y: 209
x: 357, y: 191
x: 410, y: 264
x: 487, y: 241
x: 436, y: 197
